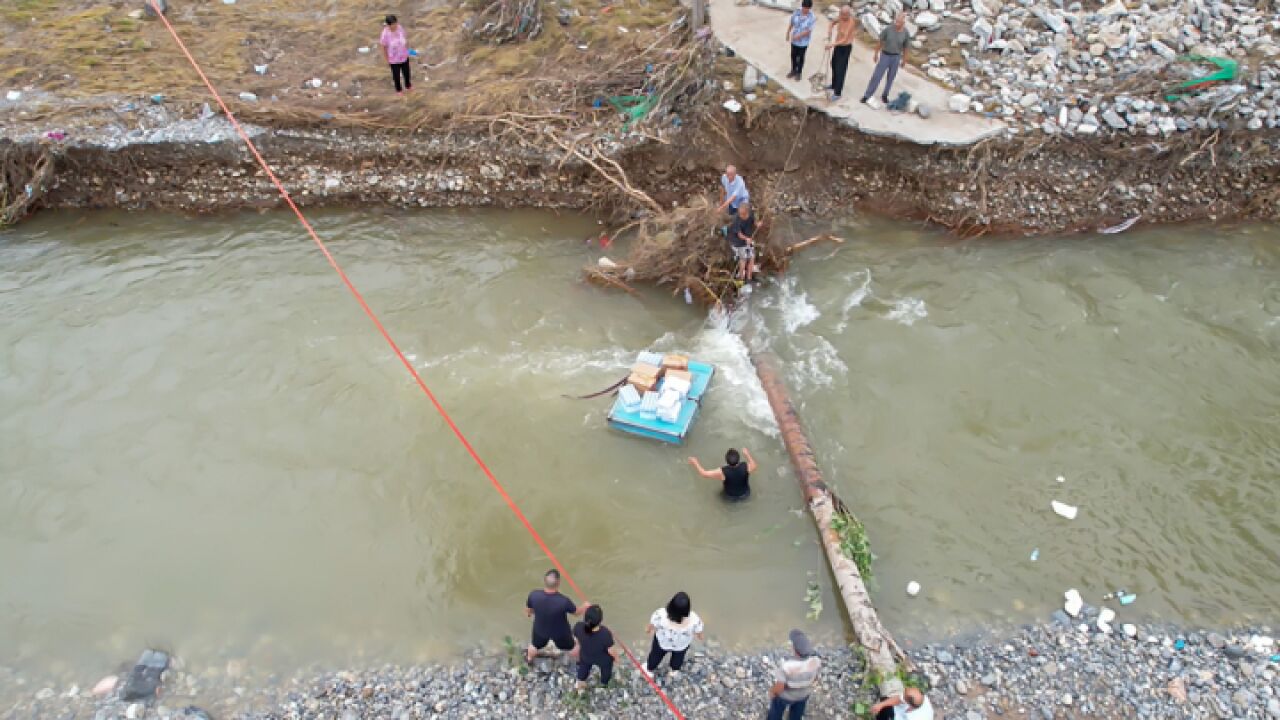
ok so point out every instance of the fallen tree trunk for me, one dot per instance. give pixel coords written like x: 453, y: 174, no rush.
x: 883, y: 654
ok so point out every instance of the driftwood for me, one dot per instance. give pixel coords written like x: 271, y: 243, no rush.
x: 804, y: 244
x: 883, y: 654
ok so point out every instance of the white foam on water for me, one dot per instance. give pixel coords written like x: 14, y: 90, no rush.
x: 855, y: 299
x: 794, y: 306
x: 908, y: 310
x: 735, y: 375
x: 818, y: 367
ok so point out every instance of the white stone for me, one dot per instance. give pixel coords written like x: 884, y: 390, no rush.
x: 13, y: 95
x: 958, y: 103
x: 928, y: 21
x: 1074, y: 603
x: 1130, y: 629
x: 1116, y: 7
x: 963, y: 39
x: 937, y: 5
x: 248, y: 97
x: 1097, y: 49
x: 1086, y: 129
x: 1105, y: 616
x: 1162, y: 50
x: 871, y: 25
x: 1043, y: 59
x: 316, y: 82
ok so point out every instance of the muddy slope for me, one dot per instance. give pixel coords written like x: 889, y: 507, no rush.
x: 1003, y: 186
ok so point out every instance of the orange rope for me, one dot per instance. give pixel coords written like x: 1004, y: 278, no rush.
x: 342, y: 275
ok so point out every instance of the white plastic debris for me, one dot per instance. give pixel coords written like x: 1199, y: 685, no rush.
x: 1067, y: 511
x: 260, y: 69
x: 248, y: 97
x: 732, y: 105
x: 1130, y: 629
x: 13, y: 96
x: 106, y: 686
x: 228, y: 2
x: 363, y: 50
x: 913, y: 588
x: 316, y: 82
x: 751, y: 97
x: 1061, y: 479
x: 605, y: 262
x: 1105, y: 616
x: 1074, y: 603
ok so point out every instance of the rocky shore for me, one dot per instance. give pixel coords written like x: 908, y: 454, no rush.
x: 1098, y: 68
x: 1053, y: 671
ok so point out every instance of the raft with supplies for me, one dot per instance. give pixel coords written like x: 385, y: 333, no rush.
x: 661, y: 397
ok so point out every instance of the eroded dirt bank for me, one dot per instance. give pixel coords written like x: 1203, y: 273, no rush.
x: 1005, y: 186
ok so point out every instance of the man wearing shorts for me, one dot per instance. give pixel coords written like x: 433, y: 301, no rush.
x: 742, y: 238
x: 550, y: 610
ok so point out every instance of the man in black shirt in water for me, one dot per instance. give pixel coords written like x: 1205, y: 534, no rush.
x: 734, y: 474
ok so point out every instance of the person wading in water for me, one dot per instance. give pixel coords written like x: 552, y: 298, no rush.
x: 734, y: 474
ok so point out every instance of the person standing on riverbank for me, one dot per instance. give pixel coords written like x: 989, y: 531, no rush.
x: 673, y: 629
x: 742, y: 239
x: 733, y: 191
x: 909, y: 705
x: 593, y: 644
x: 735, y: 475
x: 840, y: 43
x: 395, y: 50
x: 550, y: 611
x: 799, y: 33
x: 890, y: 54
x: 793, y: 680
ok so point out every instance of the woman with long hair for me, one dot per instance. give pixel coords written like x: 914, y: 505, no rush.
x: 594, y: 647
x: 673, y: 628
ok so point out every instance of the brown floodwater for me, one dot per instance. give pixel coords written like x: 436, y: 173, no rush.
x: 205, y: 446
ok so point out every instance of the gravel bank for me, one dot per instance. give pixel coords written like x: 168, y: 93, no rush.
x: 1051, y: 671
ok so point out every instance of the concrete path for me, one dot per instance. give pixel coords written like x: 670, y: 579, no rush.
x: 758, y: 35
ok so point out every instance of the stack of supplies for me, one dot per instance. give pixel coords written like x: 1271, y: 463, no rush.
x: 649, y: 406
x: 630, y: 398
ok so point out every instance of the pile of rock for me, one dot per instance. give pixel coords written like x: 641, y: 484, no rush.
x: 1042, y: 65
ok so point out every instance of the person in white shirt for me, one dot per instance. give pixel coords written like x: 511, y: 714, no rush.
x: 673, y: 628
x: 734, y: 191
x: 911, y: 704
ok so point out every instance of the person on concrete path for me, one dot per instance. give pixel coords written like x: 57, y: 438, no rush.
x: 799, y: 33
x: 735, y: 474
x: 793, y: 680
x: 890, y: 54
x: 550, y: 610
x: 908, y: 705
x: 673, y: 629
x: 741, y: 235
x: 395, y: 50
x: 733, y: 191
x: 593, y: 645
x: 840, y: 43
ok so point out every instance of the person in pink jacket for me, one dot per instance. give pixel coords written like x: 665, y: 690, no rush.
x: 395, y: 50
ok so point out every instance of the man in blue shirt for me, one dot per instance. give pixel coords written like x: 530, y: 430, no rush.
x: 798, y: 33
x: 735, y: 191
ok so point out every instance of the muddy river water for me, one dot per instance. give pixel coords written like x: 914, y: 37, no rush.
x: 204, y: 445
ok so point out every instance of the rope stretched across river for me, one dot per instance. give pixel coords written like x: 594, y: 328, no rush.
x: 373, y: 317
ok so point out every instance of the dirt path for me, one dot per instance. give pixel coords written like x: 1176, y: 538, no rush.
x: 757, y: 35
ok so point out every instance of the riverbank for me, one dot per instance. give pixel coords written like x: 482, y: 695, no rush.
x: 1055, y: 670
x: 187, y: 160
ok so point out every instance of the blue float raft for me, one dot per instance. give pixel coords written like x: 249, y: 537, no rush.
x: 654, y: 428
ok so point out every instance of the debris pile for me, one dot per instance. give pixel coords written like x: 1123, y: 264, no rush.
x: 1163, y: 67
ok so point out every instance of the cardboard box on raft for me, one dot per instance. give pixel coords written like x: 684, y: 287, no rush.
x: 642, y: 383
x: 681, y: 374
x: 675, y: 362
x: 647, y: 370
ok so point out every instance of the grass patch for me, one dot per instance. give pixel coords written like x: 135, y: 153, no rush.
x: 854, y: 543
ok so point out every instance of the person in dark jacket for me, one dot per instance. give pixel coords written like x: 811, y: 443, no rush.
x: 735, y: 474
x: 594, y: 647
